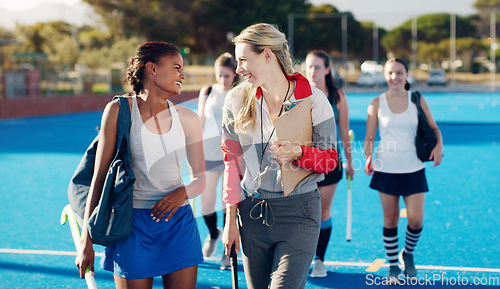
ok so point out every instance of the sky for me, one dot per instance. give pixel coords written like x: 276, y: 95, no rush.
x: 391, y: 13
x: 385, y: 13
x: 25, y: 4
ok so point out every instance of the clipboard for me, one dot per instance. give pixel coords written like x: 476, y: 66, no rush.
x: 295, y: 125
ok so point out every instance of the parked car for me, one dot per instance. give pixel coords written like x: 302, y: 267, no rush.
x: 371, y: 79
x: 437, y: 77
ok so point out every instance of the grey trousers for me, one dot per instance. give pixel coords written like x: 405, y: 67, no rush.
x: 278, y: 239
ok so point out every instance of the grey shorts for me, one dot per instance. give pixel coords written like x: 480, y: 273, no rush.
x: 278, y: 239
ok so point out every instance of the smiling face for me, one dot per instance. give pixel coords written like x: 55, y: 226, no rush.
x: 169, y: 74
x: 224, y: 76
x: 250, y: 64
x: 316, y: 70
x: 395, y: 74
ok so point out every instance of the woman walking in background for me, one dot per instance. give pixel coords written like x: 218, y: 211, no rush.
x: 165, y: 239
x: 277, y: 231
x: 210, y: 102
x: 319, y: 74
x: 396, y: 169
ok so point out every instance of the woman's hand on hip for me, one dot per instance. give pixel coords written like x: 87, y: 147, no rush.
x: 169, y: 204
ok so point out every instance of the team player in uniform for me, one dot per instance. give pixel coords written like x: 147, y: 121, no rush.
x: 210, y: 103
x: 396, y: 169
x: 319, y: 74
x: 165, y: 240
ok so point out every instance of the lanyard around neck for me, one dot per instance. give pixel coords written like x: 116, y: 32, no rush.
x: 263, y: 148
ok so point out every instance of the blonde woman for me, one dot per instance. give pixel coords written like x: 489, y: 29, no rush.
x: 277, y: 232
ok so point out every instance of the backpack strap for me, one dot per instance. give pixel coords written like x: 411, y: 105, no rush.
x: 124, y: 120
x: 415, y: 98
x: 209, y: 90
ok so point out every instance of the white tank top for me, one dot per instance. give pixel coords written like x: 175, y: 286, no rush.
x: 212, y: 128
x: 396, y: 152
x: 156, y: 158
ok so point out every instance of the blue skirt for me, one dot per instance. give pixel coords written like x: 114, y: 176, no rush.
x: 156, y: 248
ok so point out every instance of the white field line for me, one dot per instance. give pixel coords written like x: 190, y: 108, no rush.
x: 328, y: 263
x: 43, y: 252
x: 425, y: 267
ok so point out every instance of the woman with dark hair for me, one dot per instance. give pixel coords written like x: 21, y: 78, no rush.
x: 319, y: 74
x: 210, y: 102
x: 396, y: 169
x: 165, y: 239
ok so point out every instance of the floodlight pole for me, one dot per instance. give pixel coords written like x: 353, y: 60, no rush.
x: 414, y: 43
x: 344, y: 40
x: 453, y: 47
x: 493, y: 49
x: 375, y: 43
x: 290, y: 31
x: 344, y: 16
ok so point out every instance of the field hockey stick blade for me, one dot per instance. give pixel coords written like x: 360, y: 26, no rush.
x: 68, y: 215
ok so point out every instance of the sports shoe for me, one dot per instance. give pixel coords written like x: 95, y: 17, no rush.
x: 225, y: 263
x: 393, y: 275
x: 406, y: 261
x: 319, y: 270
x: 210, y: 245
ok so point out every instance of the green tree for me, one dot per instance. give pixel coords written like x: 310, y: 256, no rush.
x: 368, y: 53
x: 322, y: 29
x: 94, y: 38
x: 201, y: 25
x: 467, y: 49
x: 41, y: 37
x: 123, y: 49
x: 485, y: 8
x: 64, y: 52
x: 431, y: 28
x: 217, y: 20
x: 55, y: 39
x: 486, y: 5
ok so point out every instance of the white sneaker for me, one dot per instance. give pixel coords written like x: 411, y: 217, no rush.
x: 319, y: 270
x: 225, y: 263
x: 210, y: 245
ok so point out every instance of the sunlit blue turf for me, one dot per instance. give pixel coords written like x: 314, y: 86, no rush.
x: 462, y: 215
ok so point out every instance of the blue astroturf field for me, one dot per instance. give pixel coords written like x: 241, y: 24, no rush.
x: 459, y: 245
